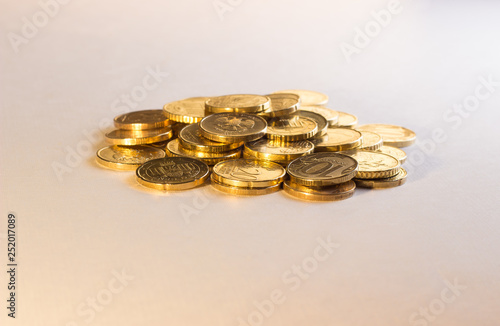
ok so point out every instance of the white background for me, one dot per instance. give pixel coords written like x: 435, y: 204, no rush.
x: 202, y: 258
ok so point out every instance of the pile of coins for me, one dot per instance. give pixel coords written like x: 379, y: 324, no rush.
x: 254, y: 145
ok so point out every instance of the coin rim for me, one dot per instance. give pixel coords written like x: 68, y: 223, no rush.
x: 248, y: 184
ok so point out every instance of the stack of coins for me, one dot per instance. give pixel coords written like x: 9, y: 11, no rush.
x: 288, y: 139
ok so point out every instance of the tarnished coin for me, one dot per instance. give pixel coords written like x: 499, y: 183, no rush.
x: 281, y: 104
x: 338, y: 139
x: 392, y: 135
x: 189, y: 110
x: 291, y: 128
x: 395, y: 181
x: 141, y: 120
x: 393, y: 151
x: 328, y: 193
x: 190, y: 137
x: 244, y: 191
x: 233, y: 127
x: 172, y: 173
x: 374, y: 165
x: 347, y: 120
x: 267, y: 149
x: 127, y: 157
x: 330, y: 115
x: 174, y: 149
x: 239, y: 103
x: 322, y: 169
x: 371, y: 141
x: 248, y: 173
x: 318, y: 118
x: 308, y: 97
x: 136, y: 137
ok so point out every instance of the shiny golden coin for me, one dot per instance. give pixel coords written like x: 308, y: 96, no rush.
x: 172, y: 173
x: 338, y: 139
x: 371, y: 141
x: 278, y: 151
x: 322, y: 169
x: 189, y: 110
x: 293, y: 128
x: 374, y: 165
x: 161, y: 144
x: 127, y: 158
x: 248, y: 173
x: 328, y: 193
x: 244, y: 191
x: 233, y: 127
x: 393, y: 151
x: 330, y: 115
x: 141, y: 120
x: 281, y: 104
x: 239, y: 103
x: 318, y: 118
x: 249, y: 156
x: 395, y: 181
x: 198, y: 154
x: 133, y: 137
x: 190, y: 138
x: 173, y: 149
x: 347, y: 120
x: 308, y: 97
x: 392, y: 135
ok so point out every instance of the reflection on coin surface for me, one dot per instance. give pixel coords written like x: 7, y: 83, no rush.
x: 189, y: 110
x: 398, y: 180
x: 174, y: 149
x: 127, y: 157
x: 140, y: 120
x: 248, y: 173
x: 347, y: 120
x: 374, y: 165
x: 371, y: 141
x: 328, y: 193
x: 393, y: 151
x: 190, y: 137
x: 138, y: 137
x: 337, y: 139
x: 278, y: 151
x: 233, y: 127
x: 308, y: 97
x: 244, y: 191
x: 330, y: 115
x: 318, y: 118
x: 291, y: 128
x: 240, y: 103
x: 282, y: 104
x: 392, y: 135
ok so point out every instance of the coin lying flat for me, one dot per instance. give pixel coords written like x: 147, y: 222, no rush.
x: 233, y: 127
x: 328, y: 193
x: 293, y: 128
x: 393, y: 151
x: 141, y: 120
x: 281, y: 104
x: 322, y: 169
x: 244, y: 191
x: 347, y: 120
x: 374, y: 165
x: 338, y: 139
x: 330, y: 115
x: 189, y: 110
x: 395, y: 181
x: 174, y: 149
x: 172, y: 173
x: 308, y: 97
x: 392, y: 135
x: 136, y: 137
x: 190, y: 137
x: 277, y: 151
x: 248, y: 173
x: 371, y: 141
x: 127, y: 158
x: 239, y: 103
x: 318, y: 118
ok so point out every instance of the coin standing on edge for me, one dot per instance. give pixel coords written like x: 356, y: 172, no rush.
x: 238, y: 103
x: 392, y: 135
x: 248, y: 173
x: 328, y: 193
x: 126, y: 158
x: 293, y: 128
x: 133, y: 137
x: 233, y: 127
x: 395, y: 181
x: 338, y: 139
x: 308, y: 97
x: 189, y: 110
x: 190, y: 137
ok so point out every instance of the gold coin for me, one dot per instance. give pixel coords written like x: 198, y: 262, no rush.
x: 393, y: 151
x: 338, y: 139
x: 133, y: 137
x: 127, y: 157
x: 281, y: 104
x: 308, y: 97
x: 371, y: 141
x: 173, y: 149
x: 190, y: 138
x: 141, y: 120
x: 249, y: 156
x: 172, y: 173
x: 328, y: 193
x: 233, y: 127
x: 202, y: 155
x: 243, y: 191
x: 177, y: 127
x: 330, y: 115
x: 374, y: 165
x: 161, y: 144
x: 392, y: 135
x: 293, y: 128
x: 239, y: 103
x: 322, y: 169
x: 347, y: 120
x: 278, y: 151
x: 189, y: 110
x: 248, y: 173
x: 318, y: 118
x: 395, y: 181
